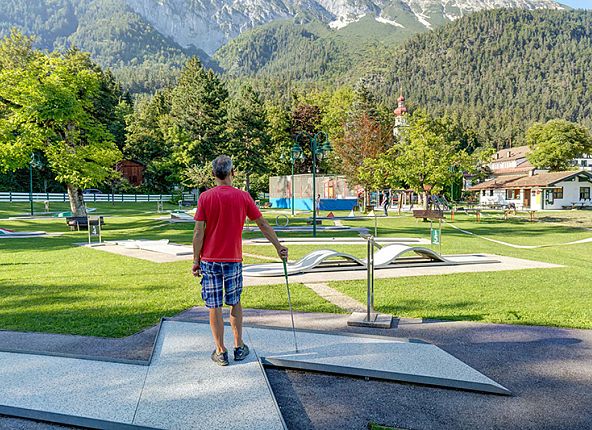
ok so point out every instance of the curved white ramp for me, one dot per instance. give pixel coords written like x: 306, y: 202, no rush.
x: 326, y: 259
x: 306, y: 264
x: 389, y: 254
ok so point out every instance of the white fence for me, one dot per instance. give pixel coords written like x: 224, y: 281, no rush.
x: 116, y: 198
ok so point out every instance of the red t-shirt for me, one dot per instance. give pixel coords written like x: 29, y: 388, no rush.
x: 224, y: 209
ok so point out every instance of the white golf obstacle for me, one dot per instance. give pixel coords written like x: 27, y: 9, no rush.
x: 163, y: 246
x: 329, y: 260
x: 6, y: 233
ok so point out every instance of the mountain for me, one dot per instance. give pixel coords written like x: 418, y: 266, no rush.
x: 499, y: 71
x: 115, y: 35
x: 145, y: 42
x: 209, y: 24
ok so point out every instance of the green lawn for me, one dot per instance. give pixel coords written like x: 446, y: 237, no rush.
x: 50, y: 285
x: 554, y: 297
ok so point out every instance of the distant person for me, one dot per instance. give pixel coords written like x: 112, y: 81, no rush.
x: 318, y: 204
x: 386, y: 203
x: 217, y: 253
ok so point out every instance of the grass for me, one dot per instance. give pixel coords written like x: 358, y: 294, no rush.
x: 550, y: 297
x: 50, y: 285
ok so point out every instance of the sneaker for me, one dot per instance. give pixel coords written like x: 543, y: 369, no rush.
x: 241, y: 352
x: 220, y: 358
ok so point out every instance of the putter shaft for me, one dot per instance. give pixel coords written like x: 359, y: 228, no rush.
x: 290, y: 304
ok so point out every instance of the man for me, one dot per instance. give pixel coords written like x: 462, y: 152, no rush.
x: 217, y: 253
x: 386, y: 202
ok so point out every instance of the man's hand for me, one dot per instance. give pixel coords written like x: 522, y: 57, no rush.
x: 282, y: 252
x: 196, y: 269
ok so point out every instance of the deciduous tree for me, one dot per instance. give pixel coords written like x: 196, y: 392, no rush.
x: 556, y: 143
x: 48, y: 105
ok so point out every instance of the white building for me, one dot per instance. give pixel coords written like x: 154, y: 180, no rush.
x: 537, y: 191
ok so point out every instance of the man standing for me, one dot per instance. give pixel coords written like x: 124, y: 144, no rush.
x: 217, y: 253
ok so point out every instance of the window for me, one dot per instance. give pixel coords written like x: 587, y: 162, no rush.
x: 558, y: 193
x: 584, y: 193
x: 483, y: 193
x: 491, y: 193
x: 512, y: 194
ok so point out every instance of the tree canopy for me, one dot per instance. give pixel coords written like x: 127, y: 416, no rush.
x: 51, y: 104
x: 556, y: 143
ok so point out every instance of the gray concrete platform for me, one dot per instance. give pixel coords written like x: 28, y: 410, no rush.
x: 547, y: 368
x: 182, y: 389
x: 369, y: 356
x: 465, y: 263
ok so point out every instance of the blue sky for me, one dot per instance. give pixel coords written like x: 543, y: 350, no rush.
x: 586, y: 4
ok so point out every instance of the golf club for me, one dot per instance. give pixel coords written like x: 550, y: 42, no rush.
x: 290, y: 303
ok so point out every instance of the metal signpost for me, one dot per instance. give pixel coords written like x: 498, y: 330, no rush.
x: 436, y: 235
x: 370, y: 318
x: 94, y: 230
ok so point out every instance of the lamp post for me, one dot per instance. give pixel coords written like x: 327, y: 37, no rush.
x: 34, y: 162
x: 318, y: 148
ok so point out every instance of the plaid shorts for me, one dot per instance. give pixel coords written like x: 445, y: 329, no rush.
x: 221, y: 279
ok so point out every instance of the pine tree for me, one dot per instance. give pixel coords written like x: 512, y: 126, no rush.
x: 198, y: 116
x: 247, y: 132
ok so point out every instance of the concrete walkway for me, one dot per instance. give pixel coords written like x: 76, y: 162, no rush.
x: 337, y: 298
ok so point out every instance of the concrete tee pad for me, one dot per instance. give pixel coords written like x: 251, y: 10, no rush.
x: 182, y: 389
x: 368, y: 356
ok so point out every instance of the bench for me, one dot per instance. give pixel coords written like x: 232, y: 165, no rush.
x: 77, y: 223
x: 428, y: 214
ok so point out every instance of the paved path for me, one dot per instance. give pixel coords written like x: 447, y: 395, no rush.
x: 336, y: 297
x: 503, y: 263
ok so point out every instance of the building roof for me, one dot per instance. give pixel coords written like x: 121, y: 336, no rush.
x: 522, y: 169
x: 524, y: 181
x: 510, y: 154
x: 495, y: 183
x: 545, y: 179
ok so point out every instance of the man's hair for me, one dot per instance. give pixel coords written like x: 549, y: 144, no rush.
x: 222, y: 166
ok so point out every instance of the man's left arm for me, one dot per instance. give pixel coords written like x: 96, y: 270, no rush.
x: 198, y: 238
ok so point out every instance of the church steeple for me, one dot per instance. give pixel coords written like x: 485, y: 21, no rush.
x: 400, y: 113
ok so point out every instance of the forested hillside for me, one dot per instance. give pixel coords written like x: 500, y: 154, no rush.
x: 310, y: 52
x: 499, y: 71
x: 117, y: 37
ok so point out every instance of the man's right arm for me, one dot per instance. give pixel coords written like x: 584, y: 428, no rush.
x: 270, y: 235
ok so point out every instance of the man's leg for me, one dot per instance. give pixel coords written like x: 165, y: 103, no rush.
x: 212, y: 282
x: 236, y: 321
x: 217, y: 326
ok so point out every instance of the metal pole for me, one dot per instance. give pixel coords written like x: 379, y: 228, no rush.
x: 31, y: 184
x: 290, y: 303
x: 370, y: 280
x: 292, y: 185
x: 314, y: 186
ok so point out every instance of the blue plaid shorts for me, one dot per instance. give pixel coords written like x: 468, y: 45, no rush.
x: 221, y: 280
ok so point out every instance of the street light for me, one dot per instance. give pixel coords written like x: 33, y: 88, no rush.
x: 318, y: 148
x: 34, y: 162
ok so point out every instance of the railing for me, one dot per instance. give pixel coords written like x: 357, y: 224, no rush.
x: 116, y: 198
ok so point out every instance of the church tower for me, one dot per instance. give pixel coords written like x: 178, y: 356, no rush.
x: 400, y: 114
